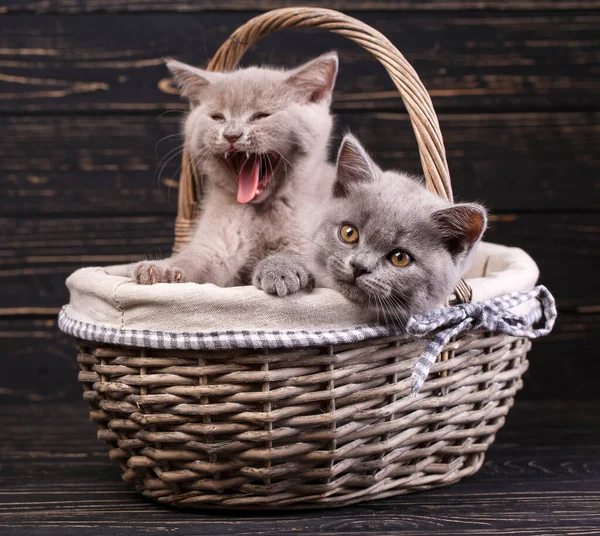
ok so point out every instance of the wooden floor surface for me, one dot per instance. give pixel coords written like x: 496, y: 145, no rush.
x: 541, y: 477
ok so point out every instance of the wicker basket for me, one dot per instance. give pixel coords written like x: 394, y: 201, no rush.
x: 318, y: 426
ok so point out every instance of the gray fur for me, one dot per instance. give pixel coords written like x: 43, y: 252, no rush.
x: 391, y: 211
x: 281, y: 274
x: 232, y: 237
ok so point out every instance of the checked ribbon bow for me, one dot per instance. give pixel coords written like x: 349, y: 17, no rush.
x: 492, y: 315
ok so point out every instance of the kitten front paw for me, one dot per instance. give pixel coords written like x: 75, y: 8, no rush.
x: 281, y: 275
x: 150, y: 273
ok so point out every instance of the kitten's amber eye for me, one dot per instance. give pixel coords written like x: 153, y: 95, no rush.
x: 349, y: 233
x: 399, y: 258
x: 259, y: 115
x: 219, y: 118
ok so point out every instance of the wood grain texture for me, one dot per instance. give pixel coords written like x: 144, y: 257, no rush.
x: 129, y: 164
x: 541, y: 477
x: 86, y: 6
x: 37, y: 255
x: 484, y: 61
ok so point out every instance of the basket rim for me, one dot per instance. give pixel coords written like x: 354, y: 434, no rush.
x: 105, y: 302
x: 253, y: 339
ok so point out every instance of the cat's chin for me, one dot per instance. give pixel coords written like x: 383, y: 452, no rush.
x: 371, y: 304
x: 352, y: 293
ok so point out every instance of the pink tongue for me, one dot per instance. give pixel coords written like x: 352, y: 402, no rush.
x: 248, y: 180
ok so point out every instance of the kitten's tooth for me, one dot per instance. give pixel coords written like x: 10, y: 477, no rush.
x: 247, y: 154
x: 226, y: 155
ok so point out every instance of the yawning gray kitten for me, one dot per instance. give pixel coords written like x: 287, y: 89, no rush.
x: 259, y: 137
x: 383, y: 241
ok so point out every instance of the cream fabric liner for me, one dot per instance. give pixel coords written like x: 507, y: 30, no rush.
x: 105, y: 296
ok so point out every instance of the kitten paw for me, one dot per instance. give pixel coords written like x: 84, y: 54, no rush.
x: 150, y: 273
x: 281, y: 275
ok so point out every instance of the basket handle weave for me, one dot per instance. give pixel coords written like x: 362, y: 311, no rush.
x: 416, y: 99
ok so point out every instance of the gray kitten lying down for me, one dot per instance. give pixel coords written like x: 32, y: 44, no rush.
x: 383, y: 241
x: 259, y: 136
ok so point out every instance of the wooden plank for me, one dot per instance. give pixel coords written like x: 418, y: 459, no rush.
x: 40, y: 361
x: 114, y: 164
x: 540, y: 477
x: 35, y: 275
x: 36, y: 255
x: 105, y: 191
x: 114, y: 6
x: 485, y: 61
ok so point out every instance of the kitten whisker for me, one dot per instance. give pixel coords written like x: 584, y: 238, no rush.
x: 272, y: 149
x: 384, y: 310
x: 197, y: 160
x: 285, y: 169
x: 402, y: 314
x: 283, y: 158
x: 172, y: 154
x: 271, y: 166
x: 177, y: 134
x: 201, y: 160
x: 322, y: 247
x: 183, y: 112
x: 395, y: 311
x: 379, y: 309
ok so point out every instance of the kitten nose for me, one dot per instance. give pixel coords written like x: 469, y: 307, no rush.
x: 358, y: 269
x: 232, y: 138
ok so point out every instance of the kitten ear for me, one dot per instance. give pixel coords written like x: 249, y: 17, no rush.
x: 315, y: 80
x: 354, y: 165
x: 461, y: 226
x: 190, y: 80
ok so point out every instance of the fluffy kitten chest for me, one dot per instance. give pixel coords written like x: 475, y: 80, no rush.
x: 277, y: 228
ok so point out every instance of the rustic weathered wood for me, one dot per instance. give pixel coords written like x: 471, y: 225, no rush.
x: 542, y: 476
x: 36, y: 255
x: 41, y: 360
x: 86, y: 6
x: 483, y: 61
x: 114, y: 164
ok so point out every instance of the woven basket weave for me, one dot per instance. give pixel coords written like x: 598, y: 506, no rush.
x: 318, y: 426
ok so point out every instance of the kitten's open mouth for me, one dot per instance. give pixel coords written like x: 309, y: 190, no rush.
x: 254, y: 171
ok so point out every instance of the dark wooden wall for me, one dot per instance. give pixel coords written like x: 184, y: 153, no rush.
x: 86, y: 108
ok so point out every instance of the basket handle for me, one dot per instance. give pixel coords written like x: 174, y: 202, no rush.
x: 416, y: 99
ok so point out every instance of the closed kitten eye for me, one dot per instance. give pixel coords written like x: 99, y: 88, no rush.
x: 259, y: 115
x: 219, y: 118
x: 399, y: 258
x: 348, y: 233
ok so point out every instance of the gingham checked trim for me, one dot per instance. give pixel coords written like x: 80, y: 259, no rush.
x: 216, y: 340
x: 492, y: 315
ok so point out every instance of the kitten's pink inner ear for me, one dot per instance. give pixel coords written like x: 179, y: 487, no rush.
x: 475, y: 223
x: 461, y: 226
x: 327, y: 75
x: 353, y: 166
x: 190, y: 80
x: 316, y: 79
